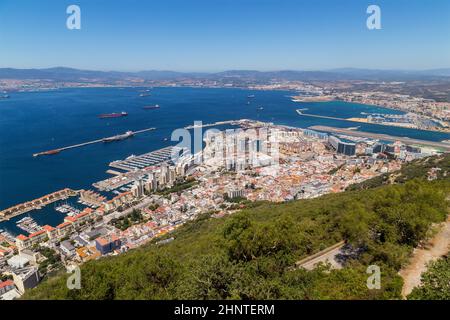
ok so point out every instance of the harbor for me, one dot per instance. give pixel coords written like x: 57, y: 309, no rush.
x: 135, y: 167
x: 119, y: 137
x: 80, y: 169
x: 28, y: 225
x: 68, y: 210
x: 153, y: 158
x: 36, y: 204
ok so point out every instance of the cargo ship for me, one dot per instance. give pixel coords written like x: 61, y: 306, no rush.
x: 156, y: 106
x: 119, y: 137
x: 113, y: 115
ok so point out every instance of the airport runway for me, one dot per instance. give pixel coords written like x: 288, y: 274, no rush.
x: 406, y: 140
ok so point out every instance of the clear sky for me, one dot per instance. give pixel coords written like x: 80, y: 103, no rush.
x: 215, y: 35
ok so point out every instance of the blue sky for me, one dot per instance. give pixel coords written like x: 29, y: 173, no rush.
x: 215, y: 35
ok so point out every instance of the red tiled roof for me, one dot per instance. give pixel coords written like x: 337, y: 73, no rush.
x: 101, y: 241
x: 88, y: 210
x: 6, y: 283
x: 48, y: 228
x: 22, y: 237
x: 37, y: 233
x: 80, y: 215
x: 62, y: 225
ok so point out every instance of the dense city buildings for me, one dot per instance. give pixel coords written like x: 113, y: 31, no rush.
x: 258, y: 161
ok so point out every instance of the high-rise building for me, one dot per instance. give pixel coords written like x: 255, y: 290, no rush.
x: 340, y: 146
x: 138, y: 188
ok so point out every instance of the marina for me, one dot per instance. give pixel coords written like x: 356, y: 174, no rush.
x: 67, y: 210
x: 145, y: 160
x: 7, y: 236
x: 36, y: 204
x: 28, y: 224
x: 135, y: 167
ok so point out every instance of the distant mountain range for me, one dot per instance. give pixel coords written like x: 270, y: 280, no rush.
x: 70, y: 74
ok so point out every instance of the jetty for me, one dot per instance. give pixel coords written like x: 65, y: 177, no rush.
x: 218, y: 123
x: 58, y: 150
x: 36, y: 204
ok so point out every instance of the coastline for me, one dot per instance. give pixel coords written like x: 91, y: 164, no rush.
x: 180, y: 108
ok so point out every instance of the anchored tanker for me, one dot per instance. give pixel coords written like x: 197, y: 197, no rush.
x: 119, y: 137
x: 113, y: 115
x: 156, y: 106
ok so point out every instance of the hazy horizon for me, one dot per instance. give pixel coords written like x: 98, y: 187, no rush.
x: 227, y: 70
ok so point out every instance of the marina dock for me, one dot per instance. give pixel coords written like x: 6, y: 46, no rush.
x: 58, y: 150
x: 145, y: 160
x: 136, y: 167
x: 380, y: 136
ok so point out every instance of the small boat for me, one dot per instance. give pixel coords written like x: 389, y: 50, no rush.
x: 144, y: 95
x: 251, y: 96
x: 261, y: 108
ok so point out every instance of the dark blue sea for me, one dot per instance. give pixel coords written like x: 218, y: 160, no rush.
x: 36, y: 121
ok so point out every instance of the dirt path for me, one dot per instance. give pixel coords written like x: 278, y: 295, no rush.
x: 438, y: 246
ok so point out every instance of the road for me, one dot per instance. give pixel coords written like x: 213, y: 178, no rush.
x: 327, y: 255
x: 438, y: 246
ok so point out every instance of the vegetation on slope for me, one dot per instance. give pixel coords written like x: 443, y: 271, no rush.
x: 250, y: 254
x: 435, y: 282
x: 417, y: 169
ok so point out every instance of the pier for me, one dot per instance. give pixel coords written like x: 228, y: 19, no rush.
x: 36, y: 204
x: 299, y: 111
x: 218, y: 123
x: 146, y: 160
x: 58, y: 150
x: 380, y: 136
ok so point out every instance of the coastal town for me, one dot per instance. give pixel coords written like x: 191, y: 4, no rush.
x: 420, y: 104
x: 151, y: 195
